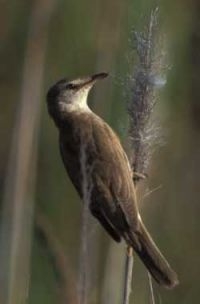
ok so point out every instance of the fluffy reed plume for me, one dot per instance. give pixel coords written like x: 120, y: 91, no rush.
x: 144, y: 81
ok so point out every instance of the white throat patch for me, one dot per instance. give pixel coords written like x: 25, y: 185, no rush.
x: 78, y: 101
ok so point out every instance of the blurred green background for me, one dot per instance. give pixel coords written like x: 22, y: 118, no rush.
x: 41, y: 42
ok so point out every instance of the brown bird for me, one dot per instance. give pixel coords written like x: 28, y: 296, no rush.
x: 100, y: 171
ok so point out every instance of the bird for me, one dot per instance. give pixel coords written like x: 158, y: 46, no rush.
x: 100, y: 171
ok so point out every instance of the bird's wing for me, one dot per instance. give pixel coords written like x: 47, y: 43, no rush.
x: 114, y: 189
x: 72, y: 149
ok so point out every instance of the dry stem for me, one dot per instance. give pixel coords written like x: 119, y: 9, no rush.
x: 128, y: 275
x: 84, y: 279
x: 152, y: 298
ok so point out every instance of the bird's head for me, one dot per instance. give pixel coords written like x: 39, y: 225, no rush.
x: 71, y: 95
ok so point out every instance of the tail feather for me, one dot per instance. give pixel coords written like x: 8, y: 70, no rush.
x: 153, y: 259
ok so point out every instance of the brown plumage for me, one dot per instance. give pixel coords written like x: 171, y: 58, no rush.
x: 99, y: 169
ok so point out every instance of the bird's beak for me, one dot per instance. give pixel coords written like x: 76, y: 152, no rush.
x: 99, y: 76
x: 92, y: 79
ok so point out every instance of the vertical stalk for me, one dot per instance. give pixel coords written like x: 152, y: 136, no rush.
x: 128, y: 275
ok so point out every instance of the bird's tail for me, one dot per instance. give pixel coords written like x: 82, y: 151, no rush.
x: 153, y: 259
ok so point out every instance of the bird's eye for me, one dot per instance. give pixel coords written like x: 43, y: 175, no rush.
x: 70, y: 86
